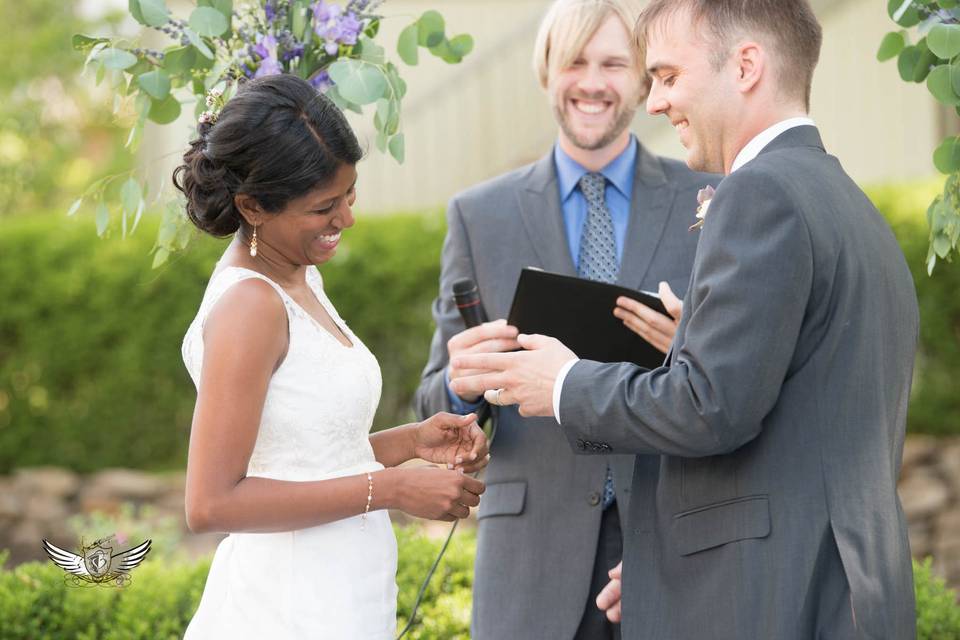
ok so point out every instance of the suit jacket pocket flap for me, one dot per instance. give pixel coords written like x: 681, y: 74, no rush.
x: 717, y: 524
x: 502, y: 499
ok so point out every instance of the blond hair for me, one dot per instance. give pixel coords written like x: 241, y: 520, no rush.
x: 569, y: 25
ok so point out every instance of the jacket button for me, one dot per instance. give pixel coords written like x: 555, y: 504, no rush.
x: 594, y: 499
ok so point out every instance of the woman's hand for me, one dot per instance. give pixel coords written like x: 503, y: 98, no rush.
x: 436, y: 494
x: 455, y: 441
x: 655, y: 328
x: 609, y: 599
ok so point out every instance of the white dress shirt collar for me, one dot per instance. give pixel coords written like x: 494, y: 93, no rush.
x: 765, y: 137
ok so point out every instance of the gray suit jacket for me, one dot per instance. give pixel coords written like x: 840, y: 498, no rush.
x: 780, y: 417
x: 540, y: 516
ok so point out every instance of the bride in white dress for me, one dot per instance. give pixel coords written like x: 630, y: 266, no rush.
x: 281, y: 455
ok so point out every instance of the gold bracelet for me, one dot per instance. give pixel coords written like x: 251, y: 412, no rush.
x: 363, y: 518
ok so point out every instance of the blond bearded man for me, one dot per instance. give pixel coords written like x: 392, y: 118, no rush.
x: 551, y: 523
x: 780, y: 415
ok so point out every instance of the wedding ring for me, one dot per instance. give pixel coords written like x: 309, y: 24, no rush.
x: 497, y: 401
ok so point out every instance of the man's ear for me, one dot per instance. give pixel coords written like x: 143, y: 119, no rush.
x: 249, y: 208
x: 751, y: 61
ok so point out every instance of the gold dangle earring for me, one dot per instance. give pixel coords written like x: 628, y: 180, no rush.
x: 253, y: 243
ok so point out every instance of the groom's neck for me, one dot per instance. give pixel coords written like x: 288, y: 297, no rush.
x: 754, y: 122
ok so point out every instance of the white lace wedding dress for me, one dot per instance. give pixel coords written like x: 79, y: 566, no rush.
x: 336, y: 580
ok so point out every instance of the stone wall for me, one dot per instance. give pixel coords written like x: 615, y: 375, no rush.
x: 930, y: 493
x: 36, y: 503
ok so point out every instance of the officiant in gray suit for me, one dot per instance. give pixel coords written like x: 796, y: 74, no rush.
x: 601, y: 206
x: 780, y: 416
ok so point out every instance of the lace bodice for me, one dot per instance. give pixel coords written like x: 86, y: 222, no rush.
x: 320, y: 402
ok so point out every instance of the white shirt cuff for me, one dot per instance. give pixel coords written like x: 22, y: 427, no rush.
x: 558, y: 386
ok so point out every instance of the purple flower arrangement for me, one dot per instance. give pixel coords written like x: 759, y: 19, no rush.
x: 283, y: 37
x: 331, y: 44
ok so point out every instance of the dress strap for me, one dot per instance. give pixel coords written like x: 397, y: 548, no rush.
x: 228, y: 277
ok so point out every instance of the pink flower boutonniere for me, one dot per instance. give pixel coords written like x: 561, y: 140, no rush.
x: 703, y: 203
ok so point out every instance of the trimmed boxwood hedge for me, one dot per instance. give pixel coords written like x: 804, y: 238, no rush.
x: 157, y: 605
x: 35, y: 604
x: 935, y: 400
x: 90, y: 369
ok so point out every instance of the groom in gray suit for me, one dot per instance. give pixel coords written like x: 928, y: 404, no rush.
x: 780, y: 415
x: 550, y: 523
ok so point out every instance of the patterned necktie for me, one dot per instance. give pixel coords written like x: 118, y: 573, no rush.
x: 598, y: 261
x: 598, y: 248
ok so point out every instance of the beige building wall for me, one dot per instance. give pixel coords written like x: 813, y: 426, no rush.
x: 488, y: 115
x: 462, y: 123
x: 466, y: 123
x: 880, y: 127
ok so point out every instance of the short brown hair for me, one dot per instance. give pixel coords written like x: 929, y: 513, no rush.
x: 789, y: 26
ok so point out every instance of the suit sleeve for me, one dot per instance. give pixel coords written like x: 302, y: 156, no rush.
x: 456, y: 263
x: 750, y: 287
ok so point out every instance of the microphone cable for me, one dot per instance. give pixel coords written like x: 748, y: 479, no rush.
x: 483, y: 415
x: 466, y: 297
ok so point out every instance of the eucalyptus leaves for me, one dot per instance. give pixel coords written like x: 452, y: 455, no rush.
x: 331, y: 45
x: 934, y: 59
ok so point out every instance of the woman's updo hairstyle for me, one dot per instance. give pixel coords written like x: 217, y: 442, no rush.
x: 276, y: 140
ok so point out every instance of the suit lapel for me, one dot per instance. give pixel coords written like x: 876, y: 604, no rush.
x: 540, y: 210
x: 650, y: 205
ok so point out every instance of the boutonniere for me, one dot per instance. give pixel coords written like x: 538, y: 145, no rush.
x: 703, y: 203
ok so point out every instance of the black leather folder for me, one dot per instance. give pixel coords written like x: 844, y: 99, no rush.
x: 579, y: 313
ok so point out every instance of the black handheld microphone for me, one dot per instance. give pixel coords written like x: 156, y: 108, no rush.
x: 467, y: 298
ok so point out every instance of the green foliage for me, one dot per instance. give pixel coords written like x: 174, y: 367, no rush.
x: 358, y: 82
x: 55, y: 136
x: 407, y: 44
x: 891, y: 46
x: 934, y: 59
x: 90, y: 368
x: 208, y: 22
x: 938, y: 616
x: 90, y: 371
x: 935, y: 404
x: 35, y: 603
x: 445, y: 609
x: 218, y: 45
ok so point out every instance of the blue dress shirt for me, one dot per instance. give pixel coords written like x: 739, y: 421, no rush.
x: 619, y: 174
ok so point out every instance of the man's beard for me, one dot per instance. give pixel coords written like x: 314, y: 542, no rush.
x: 619, y: 124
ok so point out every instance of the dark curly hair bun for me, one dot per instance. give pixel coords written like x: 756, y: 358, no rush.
x: 276, y: 140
